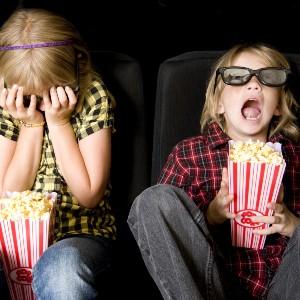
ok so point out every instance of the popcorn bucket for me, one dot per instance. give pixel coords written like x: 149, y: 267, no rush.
x: 22, y: 242
x: 253, y: 185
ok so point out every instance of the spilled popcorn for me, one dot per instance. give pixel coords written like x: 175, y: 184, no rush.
x: 251, y: 151
x: 27, y: 204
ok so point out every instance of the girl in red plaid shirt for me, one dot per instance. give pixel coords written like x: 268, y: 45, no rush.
x: 182, y: 224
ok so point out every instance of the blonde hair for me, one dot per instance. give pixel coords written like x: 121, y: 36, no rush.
x: 285, y: 123
x: 38, y: 69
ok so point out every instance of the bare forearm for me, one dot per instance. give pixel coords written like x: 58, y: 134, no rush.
x: 73, y: 168
x: 22, y: 170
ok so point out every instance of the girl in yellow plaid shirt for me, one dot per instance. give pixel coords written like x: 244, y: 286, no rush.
x: 56, y: 121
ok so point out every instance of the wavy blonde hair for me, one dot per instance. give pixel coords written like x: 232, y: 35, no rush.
x: 38, y: 69
x: 285, y: 123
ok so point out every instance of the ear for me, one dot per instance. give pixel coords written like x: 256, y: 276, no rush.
x: 220, y: 108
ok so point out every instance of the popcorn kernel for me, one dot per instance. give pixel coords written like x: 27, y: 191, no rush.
x: 27, y: 204
x: 250, y: 151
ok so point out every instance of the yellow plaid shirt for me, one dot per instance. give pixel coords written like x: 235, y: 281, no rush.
x: 71, y: 218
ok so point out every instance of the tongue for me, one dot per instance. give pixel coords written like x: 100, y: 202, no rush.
x: 251, y: 112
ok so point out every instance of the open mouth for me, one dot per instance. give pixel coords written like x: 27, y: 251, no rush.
x: 251, y: 110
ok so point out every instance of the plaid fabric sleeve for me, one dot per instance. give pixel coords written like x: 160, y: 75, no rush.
x: 8, y: 128
x: 97, y: 111
x: 174, y: 171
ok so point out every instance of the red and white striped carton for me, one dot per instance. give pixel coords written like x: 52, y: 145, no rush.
x: 22, y: 242
x: 253, y: 185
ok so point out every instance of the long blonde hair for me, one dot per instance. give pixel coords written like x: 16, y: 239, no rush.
x: 38, y: 69
x: 284, y: 123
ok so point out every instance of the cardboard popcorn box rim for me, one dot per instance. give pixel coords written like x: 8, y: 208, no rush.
x: 276, y: 146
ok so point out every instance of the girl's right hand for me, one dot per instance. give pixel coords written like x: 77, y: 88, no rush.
x: 218, y: 210
x: 12, y: 101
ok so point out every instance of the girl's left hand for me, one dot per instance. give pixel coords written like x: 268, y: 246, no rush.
x: 283, y: 221
x: 60, y: 105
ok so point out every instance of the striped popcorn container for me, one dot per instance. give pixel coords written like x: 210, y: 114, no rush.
x: 253, y: 185
x: 22, y: 242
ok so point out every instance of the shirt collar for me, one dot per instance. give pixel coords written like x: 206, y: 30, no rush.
x: 216, y: 136
x: 278, y: 137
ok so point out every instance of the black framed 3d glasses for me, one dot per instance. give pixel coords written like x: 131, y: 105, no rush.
x: 271, y: 76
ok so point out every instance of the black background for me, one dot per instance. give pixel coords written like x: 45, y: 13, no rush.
x: 154, y: 30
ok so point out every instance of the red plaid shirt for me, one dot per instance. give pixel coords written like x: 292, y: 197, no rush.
x: 195, y: 165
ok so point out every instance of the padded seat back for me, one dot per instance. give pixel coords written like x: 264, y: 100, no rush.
x: 130, y: 174
x: 130, y: 169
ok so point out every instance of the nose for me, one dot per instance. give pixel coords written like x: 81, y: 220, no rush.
x: 254, y: 83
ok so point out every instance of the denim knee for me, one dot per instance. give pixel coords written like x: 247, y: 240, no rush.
x: 65, y: 271
x: 67, y: 260
x: 157, y: 199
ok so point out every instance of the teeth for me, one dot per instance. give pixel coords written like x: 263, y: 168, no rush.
x: 252, y: 118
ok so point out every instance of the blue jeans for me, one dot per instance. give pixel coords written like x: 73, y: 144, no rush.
x: 182, y: 258
x: 68, y: 269
x: 285, y: 284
